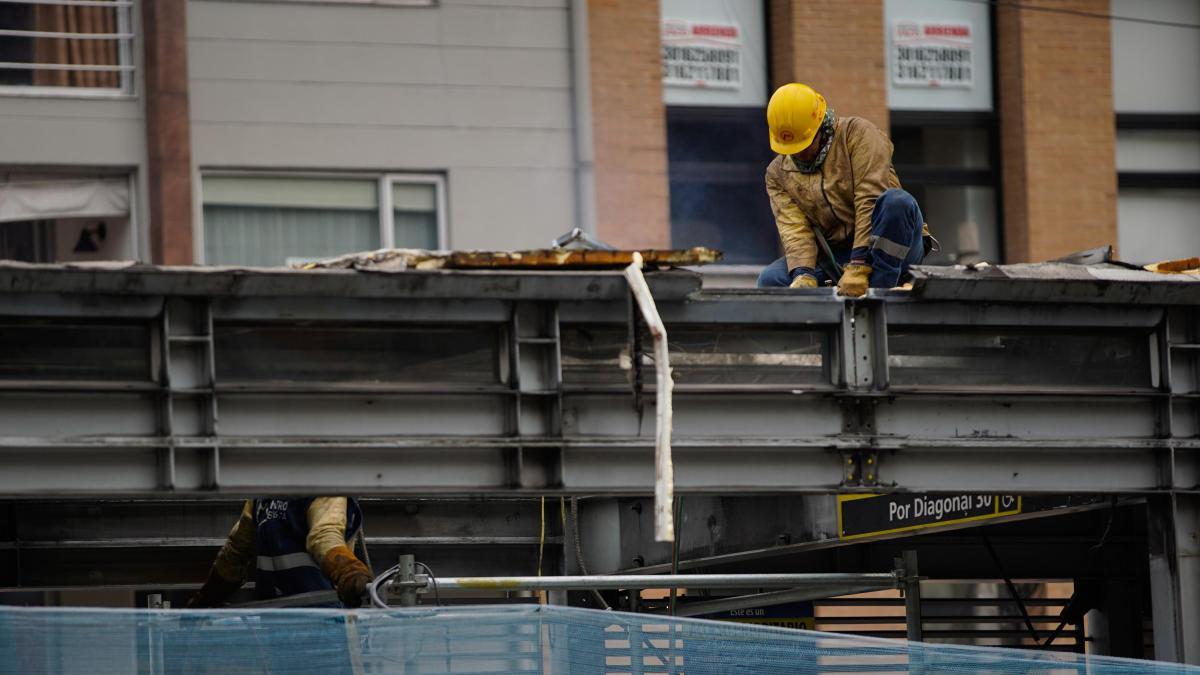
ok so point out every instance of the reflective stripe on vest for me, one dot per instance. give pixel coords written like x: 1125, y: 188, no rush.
x: 288, y: 561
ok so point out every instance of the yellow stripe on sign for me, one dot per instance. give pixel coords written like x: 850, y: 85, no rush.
x: 997, y: 512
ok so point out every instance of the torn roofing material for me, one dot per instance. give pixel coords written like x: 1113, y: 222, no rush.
x: 397, y: 259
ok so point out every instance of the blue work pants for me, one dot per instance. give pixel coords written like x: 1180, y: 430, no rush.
x: 896, y: 244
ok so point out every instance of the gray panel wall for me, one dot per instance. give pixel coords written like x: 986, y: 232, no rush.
x: 478, y: 90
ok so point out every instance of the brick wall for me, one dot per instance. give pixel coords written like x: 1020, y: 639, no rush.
x: 168, y: 132
x: 836, y: 47
x: 628, y: 124
x: 1056, y: 130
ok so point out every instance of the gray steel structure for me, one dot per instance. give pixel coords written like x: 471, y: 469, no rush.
x: 202, y: 383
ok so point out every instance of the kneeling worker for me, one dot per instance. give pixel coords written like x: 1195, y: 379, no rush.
x: 836, y: 200
x: 296, y: 545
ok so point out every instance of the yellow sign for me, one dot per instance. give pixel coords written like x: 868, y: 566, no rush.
x: 873, y: 515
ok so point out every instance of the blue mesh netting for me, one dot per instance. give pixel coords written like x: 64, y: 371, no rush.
x: 489, y: 639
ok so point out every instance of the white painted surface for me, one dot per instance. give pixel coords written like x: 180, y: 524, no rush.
x: 748, y: 16
x: 477, y: 91
x: 1155, y: 67
x: 978, y: 96
x: 1157, y: 225
x: 1151, y: 150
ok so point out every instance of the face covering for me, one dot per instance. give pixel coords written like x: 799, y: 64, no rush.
x: 825, y: 134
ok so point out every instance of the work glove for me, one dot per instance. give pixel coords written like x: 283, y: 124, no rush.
x: 349, y: 576
x: 804, y: 281
x: 214, y: 593
x: 856, y: 277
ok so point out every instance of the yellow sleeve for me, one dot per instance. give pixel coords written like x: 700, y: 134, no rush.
x: 799, y: 244
x: 236, y: 558
x: 326, y: 526
x: 871, y: 159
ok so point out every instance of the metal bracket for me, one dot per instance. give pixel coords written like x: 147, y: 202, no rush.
x: 860, y: 466
x: 864, y: 345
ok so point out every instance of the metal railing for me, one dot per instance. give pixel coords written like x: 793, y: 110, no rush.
x: 403, y: 584
x: 76, y: 47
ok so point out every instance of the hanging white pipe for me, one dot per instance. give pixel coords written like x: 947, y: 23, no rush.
x: 664, y: 470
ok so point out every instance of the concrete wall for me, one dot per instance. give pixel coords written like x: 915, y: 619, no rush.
x: 1154, y: 71
x: 478, y: 90
x: 1154, y: 66
x: 1158, y: 224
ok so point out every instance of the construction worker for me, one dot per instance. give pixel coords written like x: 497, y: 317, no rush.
x: 837, y: 201
x: 296, y: 545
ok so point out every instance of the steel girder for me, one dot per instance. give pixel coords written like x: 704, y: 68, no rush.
x: 220, y: 383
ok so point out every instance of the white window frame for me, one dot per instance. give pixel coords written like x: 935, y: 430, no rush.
x: 125, y: 35
x: 383, y: 183
x: 387, y: 216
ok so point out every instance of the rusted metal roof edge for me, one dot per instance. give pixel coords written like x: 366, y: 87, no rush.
x: 140, y: 279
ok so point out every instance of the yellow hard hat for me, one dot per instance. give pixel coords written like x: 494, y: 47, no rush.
x: 794, y: 116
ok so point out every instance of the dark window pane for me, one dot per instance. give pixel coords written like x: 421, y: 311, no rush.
x: 938, y: 146
x: 27, y: 241
x: 700, y: 355
x: 15, y: 49
x: 963, y: 218
x: 718, y: 158
x: 1010, y: 358
x: 947, y: 165
x: 54, y: 350
x: 348, y: 355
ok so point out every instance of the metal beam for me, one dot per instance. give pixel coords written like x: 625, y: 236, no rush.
x: 152, y: 543
x: 490, y: 384
x: 1174, y: 537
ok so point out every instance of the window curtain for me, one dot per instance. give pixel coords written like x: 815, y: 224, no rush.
x: 67, y: 19
x: 415, y: 229
x: 272, y: 236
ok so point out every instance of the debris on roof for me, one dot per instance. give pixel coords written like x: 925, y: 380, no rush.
x: 398, y: 259
x: 1184, y: 266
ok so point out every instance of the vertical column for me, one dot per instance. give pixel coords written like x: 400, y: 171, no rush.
x: 836, y: 47
x: 1057, y: 131
x: 168, y: 131
x: 1173, y: 536
x: 629, y: 124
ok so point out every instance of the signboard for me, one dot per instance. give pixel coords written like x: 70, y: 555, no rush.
x: 932, y: 54
x: 701, y: 55
x: 869, y: 515
x: 788, y: 615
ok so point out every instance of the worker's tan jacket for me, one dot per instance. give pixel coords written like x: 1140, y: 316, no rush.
x: 839, y: 198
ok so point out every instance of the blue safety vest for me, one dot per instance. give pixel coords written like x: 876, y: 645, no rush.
x: 284, y: 565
